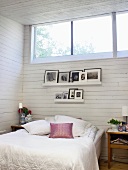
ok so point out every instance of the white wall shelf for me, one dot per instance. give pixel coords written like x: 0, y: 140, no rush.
x: 73, y: 84
x: 69, y: 100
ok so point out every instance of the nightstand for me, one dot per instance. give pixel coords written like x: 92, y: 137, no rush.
x: 113, y: 135
x: 16, y: 127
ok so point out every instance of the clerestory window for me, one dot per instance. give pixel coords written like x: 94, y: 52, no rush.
x: 80, y: 39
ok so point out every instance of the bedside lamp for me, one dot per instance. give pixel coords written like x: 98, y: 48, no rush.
x: 125, y: 111
x: 20, y: 106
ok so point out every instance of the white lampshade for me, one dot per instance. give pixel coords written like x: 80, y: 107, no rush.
x: 20, y: 105
x: 124, y: 110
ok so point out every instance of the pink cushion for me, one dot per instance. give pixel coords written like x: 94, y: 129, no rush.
x: 61, y: 130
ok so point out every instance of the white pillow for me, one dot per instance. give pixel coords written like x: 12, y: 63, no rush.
x: 38, y: 127
x: 78, y: 124
x: 50, y: 119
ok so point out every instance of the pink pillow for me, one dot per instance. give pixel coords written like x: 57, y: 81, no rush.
x: 61, y: 130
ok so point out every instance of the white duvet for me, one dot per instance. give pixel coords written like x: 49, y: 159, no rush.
x: 21, y: 151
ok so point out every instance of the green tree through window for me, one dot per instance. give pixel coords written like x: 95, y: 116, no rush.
x: 89, y: 36
x: 46, y: 46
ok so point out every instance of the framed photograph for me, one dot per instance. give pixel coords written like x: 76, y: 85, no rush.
x: 79, y: 94
x: 93, y: 74
x: 74, y: 75
x: 82, y: 76
x: 65, y: 95
x: 63, y: 77
x: 51, y: 76
x: 58, y: 96
x: 72, y: 93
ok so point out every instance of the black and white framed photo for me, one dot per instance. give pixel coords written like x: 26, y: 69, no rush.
x: 65, y: 95
x: 93, y: 74
x: 74, y: 75
x: 82, y: 76
x: 72, y: 93
x: 79, y: 94
x: 58, y: 96
x: 63, y: 77
x: 51, y: 76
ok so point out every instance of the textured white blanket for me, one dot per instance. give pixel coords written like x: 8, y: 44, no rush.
x: 22, y: 151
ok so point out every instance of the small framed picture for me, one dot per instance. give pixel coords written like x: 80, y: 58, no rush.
x: 63, y: 77
x: 82, y: 76
x: 79, y: 94
x: 51, y: 76
x: 74, y: 75
x: 93, y: 74
x: 58, y: 96
x: 65, y: 95
x: 72, y: 93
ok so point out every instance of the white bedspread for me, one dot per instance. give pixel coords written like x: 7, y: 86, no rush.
x: 22, y: 151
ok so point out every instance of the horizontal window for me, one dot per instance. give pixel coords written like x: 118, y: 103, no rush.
x: 78, y: 40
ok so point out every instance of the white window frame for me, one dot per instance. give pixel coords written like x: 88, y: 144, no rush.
x: 89, y: 56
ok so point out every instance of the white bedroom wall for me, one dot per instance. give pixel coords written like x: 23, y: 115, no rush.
x: 11, y: 65
x: 102, y: 102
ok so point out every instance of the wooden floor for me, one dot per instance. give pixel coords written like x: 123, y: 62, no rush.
x: 114, y: 166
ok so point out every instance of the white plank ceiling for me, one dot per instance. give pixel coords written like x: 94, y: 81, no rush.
x: 29, y: 12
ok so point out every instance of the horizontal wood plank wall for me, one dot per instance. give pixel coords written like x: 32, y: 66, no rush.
x: 102, y: 102
x: 11, y: 67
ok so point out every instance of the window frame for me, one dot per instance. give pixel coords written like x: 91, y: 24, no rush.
x: 89, y: 56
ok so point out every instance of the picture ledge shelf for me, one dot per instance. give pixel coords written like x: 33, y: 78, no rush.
x: 69, y: 100
x: 73, y: 84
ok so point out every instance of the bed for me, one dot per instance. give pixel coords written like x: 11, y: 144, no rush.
x: 23, y: 150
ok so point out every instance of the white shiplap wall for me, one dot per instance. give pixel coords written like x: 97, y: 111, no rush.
x: 11, y: 67
x: 102, y: 102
